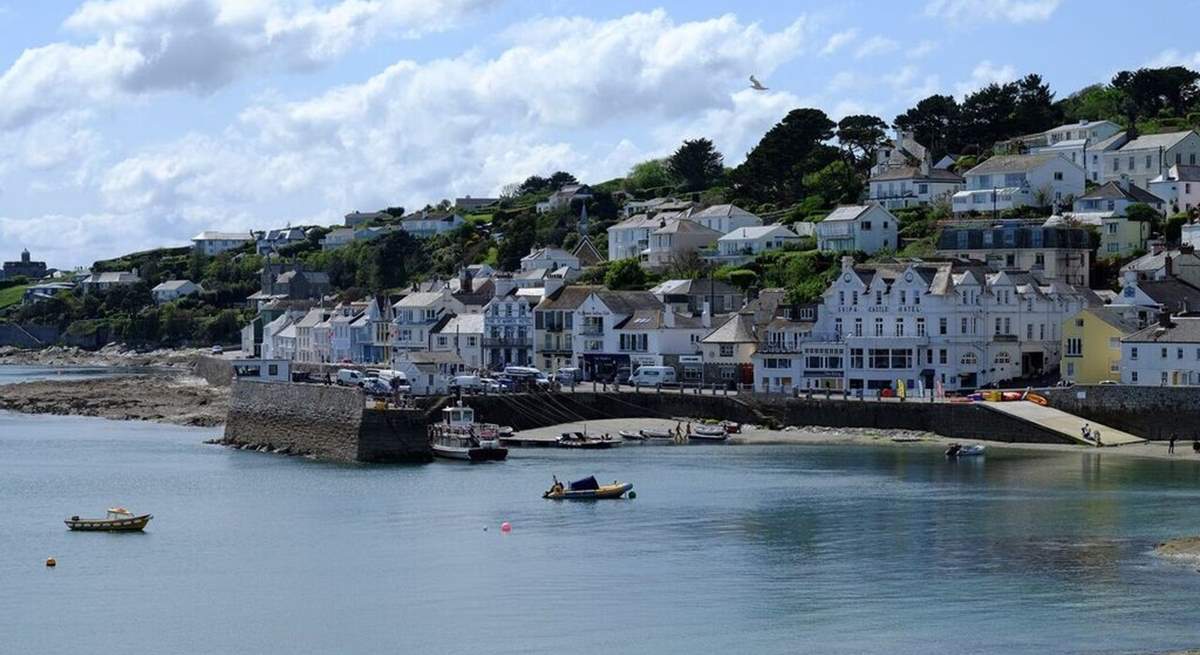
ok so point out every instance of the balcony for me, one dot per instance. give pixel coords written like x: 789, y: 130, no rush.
x: 592, y: 331
x: 501, y: 342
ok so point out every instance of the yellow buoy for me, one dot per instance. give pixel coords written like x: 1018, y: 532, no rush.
x: 50, y: 561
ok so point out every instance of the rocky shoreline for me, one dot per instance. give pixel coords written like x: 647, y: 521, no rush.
x: 117, y: 355
x: 260, y: 447
x: 180, y: 400
x: 1183, y: 548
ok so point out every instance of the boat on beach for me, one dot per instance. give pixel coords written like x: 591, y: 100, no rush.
x: 587, y: 489
x: 970, y: 450
x: 656, y: 433
x: 710, y: 430
x: 582, y: 440
x: 708, y: 436
x: 459, y: 437
x: 632, y: 436
x: 118, y: 519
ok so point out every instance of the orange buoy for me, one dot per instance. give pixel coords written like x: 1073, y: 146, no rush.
x: 51, y: 562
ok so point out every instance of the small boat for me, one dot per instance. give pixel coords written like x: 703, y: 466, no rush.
x: 655, y: 433
x: 970, y: 450
x: 585, y: 441
x: 1037, y: 399
x: 587, y: 489
x: 708, y: 436
x: 118, y: 519
x: 632, y: 436
x: 709, y: 430
x: 731, y: 427
x: 460, y: 437
x: 906, y: 438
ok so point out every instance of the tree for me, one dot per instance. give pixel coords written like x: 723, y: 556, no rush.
x: 774, y: 170
x: 649, y: 174
x: 1035, y: 110
x: 987, y: 115
x: 696, y: 165
x: 560, y: 178
x: 394, y: 212
x: 625, y: 274
x: 861, y: 135
x: 743, y: 278
x: 519, y: 236
x: 1153, y: 89
x: 1098, y: 102
x: 934, y: 123
x: 534, y: 184
x: 836, y: 183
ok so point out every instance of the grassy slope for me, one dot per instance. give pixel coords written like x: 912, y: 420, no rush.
x: 11, y: 295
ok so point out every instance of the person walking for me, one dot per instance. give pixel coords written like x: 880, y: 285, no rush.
x: 1096, y: 434
x: 1171, y: 444
x: 1195, y: 445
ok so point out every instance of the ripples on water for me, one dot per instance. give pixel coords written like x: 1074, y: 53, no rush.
x: 736, y: 549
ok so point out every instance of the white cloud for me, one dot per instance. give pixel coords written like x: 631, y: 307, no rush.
x: 415, y: 133
x: 985, y: 73
x: 876, y: 45
x: 1174, y: 57
x: 838, y: 40
x: 979, y: 11
x: 922, y: 49
x: 146, y: 46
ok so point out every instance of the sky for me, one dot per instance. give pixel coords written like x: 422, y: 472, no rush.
x: 133, y: 124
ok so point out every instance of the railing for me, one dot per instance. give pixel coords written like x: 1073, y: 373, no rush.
x: 508, y: 341
x: 592, y: 331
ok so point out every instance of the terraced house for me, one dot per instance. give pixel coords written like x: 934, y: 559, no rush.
x: 925, y: 325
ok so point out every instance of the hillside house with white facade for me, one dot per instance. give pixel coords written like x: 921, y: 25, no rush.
x: 1143, y: 159
x: 1179, y: 188
x: 853, y: 228
x: 211, y: 242
x: 1012, y: 181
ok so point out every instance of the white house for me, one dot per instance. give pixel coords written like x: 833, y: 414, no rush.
x: 430, y: 224
x: 724, y: 218
x: 565, y: 195
x: 1148, y: 156
x: 508, y: 330
x: 923, y: 324
x: 173, y: 289
x: 463, y: 336
x: 211, y: 243
x: 550, y: 258
x: 429, y: 373
x: 1163, y: 354
x: 630, y: 239
x: 1013, y: 181
x: 902, y: 151
x: 418, y: 314
x: 851, y: 228
x: 898, y: 187
x: 677, y: 240
x: 662, y: 337
x: 342, y: 236
x: 106, y: 281
x: 1179, y: 187
x: 272, y: 240
x: 744, y: 243
x: 356, y: 218
x: 1076, y: 142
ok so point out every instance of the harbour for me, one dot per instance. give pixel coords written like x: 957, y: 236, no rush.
x: 842, y: 548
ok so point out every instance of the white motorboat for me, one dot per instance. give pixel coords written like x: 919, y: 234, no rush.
x: 970, y: 450
x: 458, y: 436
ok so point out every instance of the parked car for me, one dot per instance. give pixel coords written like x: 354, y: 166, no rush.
x: 217, y: 350
x: 349, y: 377
x: 653, y: 376
x: 466, y: 384
x: 569, y: 375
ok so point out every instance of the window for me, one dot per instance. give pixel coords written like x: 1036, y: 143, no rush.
x: 1003, y: 358
x: 1164, y: 378
x: 841, y: 297
x: 998, y: 326
x: 856, y: 358
x: 1179, y: 353
x: 1029, y: 331
x: 942, y: 356
x: 899, y: 327
x: 1058, y: 176
x: 866, y: 226
x: 963, y: 327
x: 854, y: 298
x: 1147, y: 162
x: 1133, y: 353
x: 879, y: 327
x: 727, y: 350
x: 1074, y: 347
x: 968, y: 359
x: 903, y: 297
x: 942, y: 325
x: 1133, y: 377
x: 837, y: 326
x: 858, y: 328
x: 878, y: 297
x: 922, y: 188
x: 1163, y: 353
x: 920, y: 327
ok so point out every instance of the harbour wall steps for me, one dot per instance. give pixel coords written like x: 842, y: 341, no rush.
x: 1147, y: 412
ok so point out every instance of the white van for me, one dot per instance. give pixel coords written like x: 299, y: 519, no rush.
x: 349, y: 377
x: 395, y: 380
x: 653, y: 376
x: 466, y: 384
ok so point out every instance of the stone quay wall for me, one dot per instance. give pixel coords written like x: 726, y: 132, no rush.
x: 214, y: 370
x: 1148, y: 412
x: 954, y: 420
x: 326, y: 422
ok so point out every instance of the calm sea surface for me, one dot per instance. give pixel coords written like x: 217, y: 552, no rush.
x: 726, y: 549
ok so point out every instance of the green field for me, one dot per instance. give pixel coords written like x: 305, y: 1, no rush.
x: 11, y: 295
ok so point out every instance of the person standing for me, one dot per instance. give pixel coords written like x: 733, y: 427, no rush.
x: 1171, y: 444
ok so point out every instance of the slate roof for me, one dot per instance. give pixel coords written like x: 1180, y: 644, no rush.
x: 758, y: 232
x: 738, y: 329
x: 914, y: 173
x: 846, y: 213
x: 1156, y: 141
x: 699, y: 287
x: 463, y: 324
x: 171, y: 285
x: 684, y: 226
x: 1182, y: 330
x: 1012, y: 164
x: 1172, y: 294
x: 1114, y: 191
x: 1052, y: 237
x: 1115, y: 318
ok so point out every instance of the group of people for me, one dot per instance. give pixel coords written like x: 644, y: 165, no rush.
x: 680, y: 433
x: 1195, y: 445
x: 1090, y: 434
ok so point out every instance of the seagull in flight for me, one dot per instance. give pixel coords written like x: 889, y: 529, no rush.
x: 756, y: 85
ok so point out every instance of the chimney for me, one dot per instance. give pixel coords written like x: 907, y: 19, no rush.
x: 1167, y: 266
x: 847, y: 263
x: 668, y: 317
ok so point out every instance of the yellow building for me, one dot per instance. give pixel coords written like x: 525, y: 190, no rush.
x: 1091, y: 345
